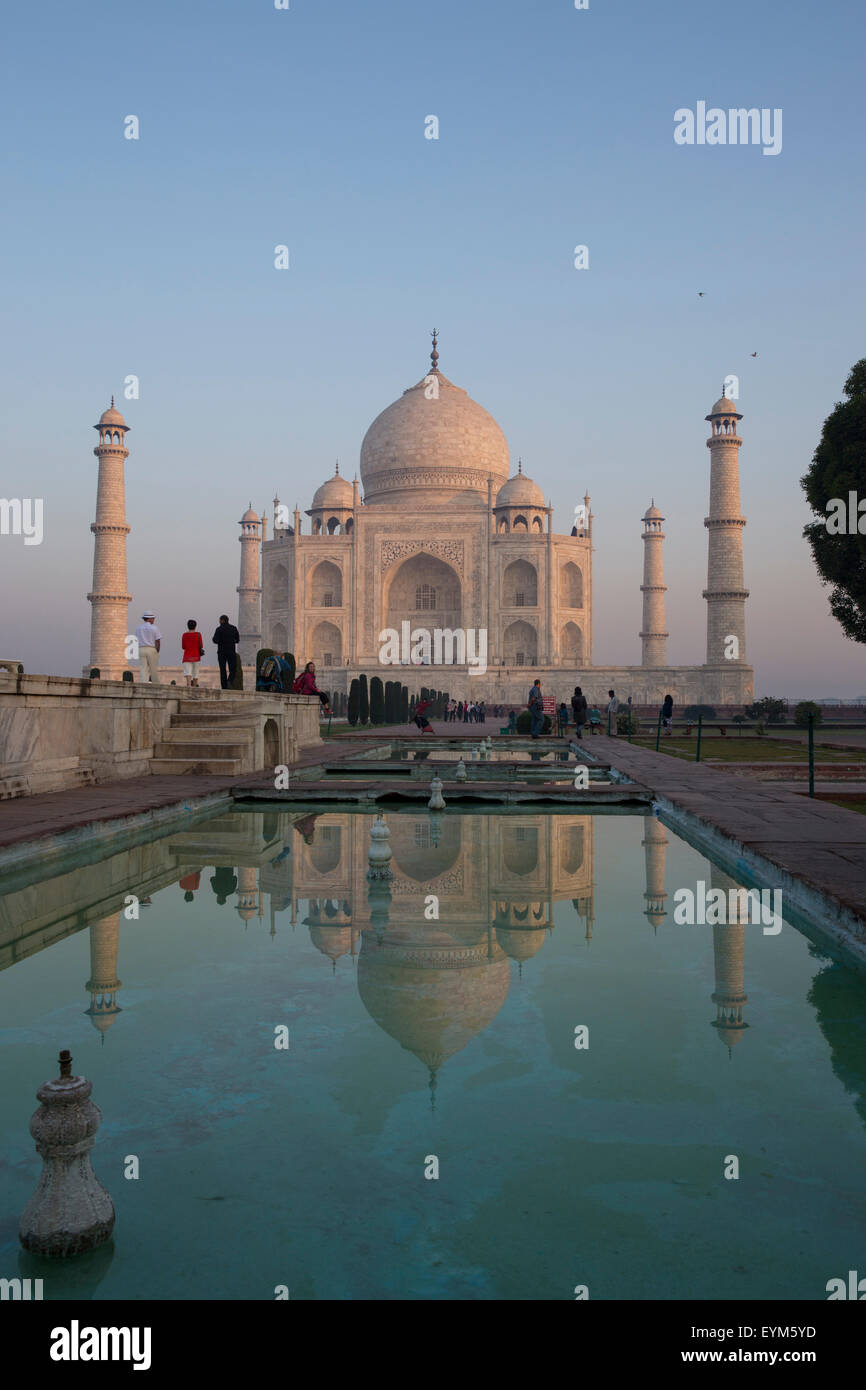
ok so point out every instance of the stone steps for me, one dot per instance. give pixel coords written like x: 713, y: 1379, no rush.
x: 221, y: 767
x: 209, y: 733
x: 201, y: 752
x: 195, y: 721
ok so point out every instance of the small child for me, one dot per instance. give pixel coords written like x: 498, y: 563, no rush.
x: 563, y: 719
x: 193, y: 651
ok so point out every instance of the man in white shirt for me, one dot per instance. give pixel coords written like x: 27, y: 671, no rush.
x: 149, y: 641
x: 612, y: 708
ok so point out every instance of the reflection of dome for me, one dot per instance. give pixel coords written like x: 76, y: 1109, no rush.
x: 429, y: 1007
x: 520, y: 491
x: 520, y: 945
x: 433, y: 448
x: 336, y: 492
x: 333, y: 942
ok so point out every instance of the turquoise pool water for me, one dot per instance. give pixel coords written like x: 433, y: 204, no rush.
x: 413, y: 1038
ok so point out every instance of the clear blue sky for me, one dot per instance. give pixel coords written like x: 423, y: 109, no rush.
x: 306, y: 127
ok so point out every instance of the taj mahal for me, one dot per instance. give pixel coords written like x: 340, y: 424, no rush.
x: 441, y: 533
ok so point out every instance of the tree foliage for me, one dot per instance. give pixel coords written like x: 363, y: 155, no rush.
x: 802, y: 712
x: 839, y: 468
x: 769, y: 709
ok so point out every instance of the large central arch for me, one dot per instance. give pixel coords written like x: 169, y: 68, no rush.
x: 423, y: 591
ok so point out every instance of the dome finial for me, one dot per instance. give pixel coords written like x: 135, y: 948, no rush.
x: 434, y: 355
x: 520, y: 465
x: 724, y: 384
x: 112, y: 402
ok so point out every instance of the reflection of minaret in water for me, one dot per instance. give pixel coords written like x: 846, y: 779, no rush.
x: 729, y: 946
x: 248, y: 897
x: 585, y: 908
x: 103, y: 983
x: 655, y: 843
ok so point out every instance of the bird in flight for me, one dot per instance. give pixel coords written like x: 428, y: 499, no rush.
x: 700, y: 294
x: 754, y: 354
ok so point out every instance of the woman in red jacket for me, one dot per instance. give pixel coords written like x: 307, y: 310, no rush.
x: 306, y: 685
x: 423, y: 724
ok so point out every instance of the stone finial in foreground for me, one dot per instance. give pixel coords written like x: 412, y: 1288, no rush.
x: 70, y: 1212
x: 437, y: 800
x: 379, y: 856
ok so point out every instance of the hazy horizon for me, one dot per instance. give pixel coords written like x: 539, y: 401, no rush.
x: 306, y: 127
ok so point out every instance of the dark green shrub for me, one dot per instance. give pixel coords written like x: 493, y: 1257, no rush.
x: 354, y: 706
x: 377, y: 702
x: 693, y: 711
x: 524, y: 723
x: 364, y: 705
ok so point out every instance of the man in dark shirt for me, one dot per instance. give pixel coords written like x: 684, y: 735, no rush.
x: 226, y: 638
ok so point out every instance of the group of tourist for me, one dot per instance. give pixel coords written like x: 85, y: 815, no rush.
x: 149, y: 639
x: 584, y: 716
x: 465, y: 712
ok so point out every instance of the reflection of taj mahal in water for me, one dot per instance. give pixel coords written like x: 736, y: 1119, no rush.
x: 431, y: 985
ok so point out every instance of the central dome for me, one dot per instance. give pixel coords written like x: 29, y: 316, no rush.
x: 431, y: 446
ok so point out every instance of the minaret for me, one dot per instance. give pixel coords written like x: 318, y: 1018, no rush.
x: 654, y: 638
x: 108, y: 622
x: 103, y: 983
x: 725, y: 595
x: 250, y: 589
x: 655, y: 843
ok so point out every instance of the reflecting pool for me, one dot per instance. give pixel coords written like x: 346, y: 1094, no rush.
x: 435, y: 1017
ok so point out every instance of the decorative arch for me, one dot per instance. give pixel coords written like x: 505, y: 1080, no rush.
x: 571, y: 848
x: 326, y: 849
x: 520, y: 848
x: 424, y: 591
x: 502, y: 526
x: 325, y: 586
x: 327, y: 643
x: 333, y: 526
x: 272, y: 743
x: 571, y: 645
x: 419, y: 857
x: 520, y: 644
x: 520, y: 524
x: 520, y: 585
x: 570, y: 586
x: 538, y: 525
x: 279, y: 637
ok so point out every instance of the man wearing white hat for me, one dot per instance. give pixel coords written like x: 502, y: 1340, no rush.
x: 149, y: 640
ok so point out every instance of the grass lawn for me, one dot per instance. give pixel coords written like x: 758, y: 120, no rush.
x: 748, y: 750
x: 851, y: 805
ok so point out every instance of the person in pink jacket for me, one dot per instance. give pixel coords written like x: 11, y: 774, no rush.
x: 306, y: 685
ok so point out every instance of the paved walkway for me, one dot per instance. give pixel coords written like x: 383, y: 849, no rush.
x: 815, y: 841
x: 52, y: 813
